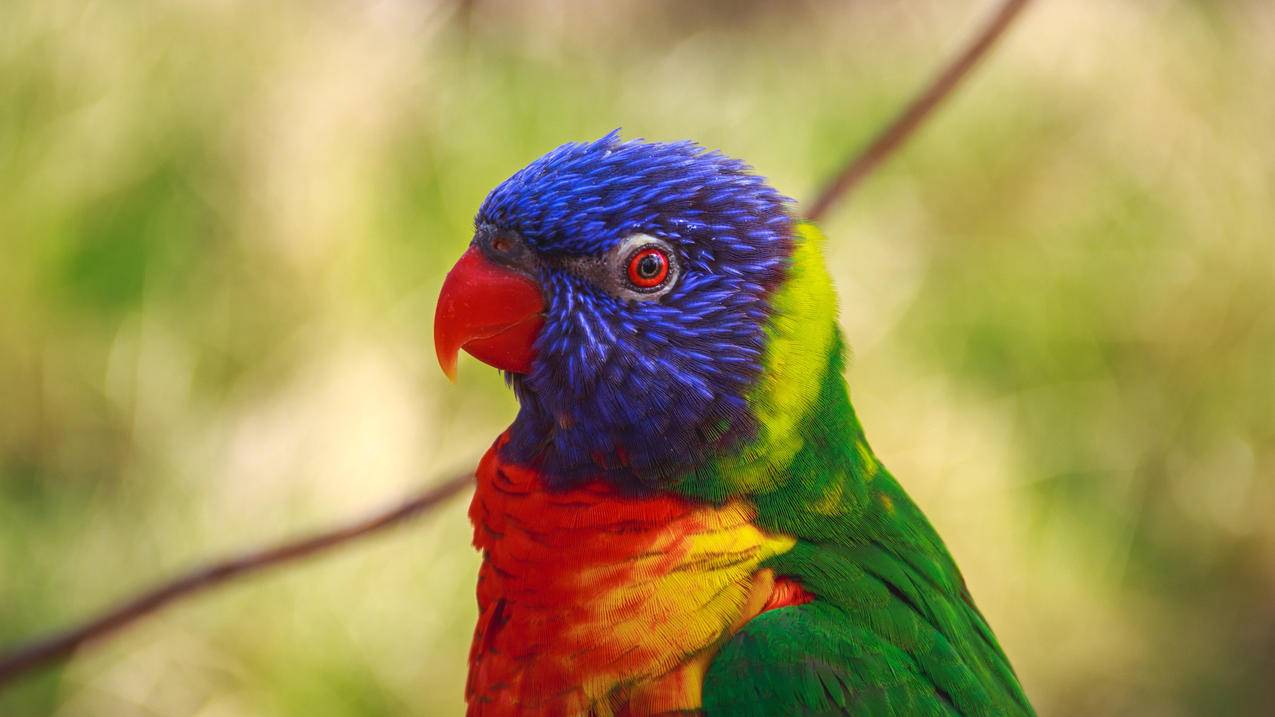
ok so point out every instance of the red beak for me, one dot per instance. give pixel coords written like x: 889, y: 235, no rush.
x: 492, y: 312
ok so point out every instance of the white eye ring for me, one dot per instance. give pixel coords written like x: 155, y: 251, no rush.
x: 622, y: 255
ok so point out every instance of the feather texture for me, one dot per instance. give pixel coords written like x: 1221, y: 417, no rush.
x: 686, y: 514
x: 587, y: 596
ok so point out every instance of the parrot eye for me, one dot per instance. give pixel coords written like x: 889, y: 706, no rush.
x: 640, y: 268
x: 648, y: 267
x: 645, y: 268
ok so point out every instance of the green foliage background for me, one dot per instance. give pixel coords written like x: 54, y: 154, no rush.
x: 224, y: 224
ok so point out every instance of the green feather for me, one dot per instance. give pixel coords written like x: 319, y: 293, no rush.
x: 893, y: 629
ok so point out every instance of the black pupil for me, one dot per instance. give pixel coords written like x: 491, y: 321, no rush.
x: 649, y: 266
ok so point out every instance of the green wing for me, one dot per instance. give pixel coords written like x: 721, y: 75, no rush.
x: 892, y: 630
x: 881, y: 638
x: 811, y: 660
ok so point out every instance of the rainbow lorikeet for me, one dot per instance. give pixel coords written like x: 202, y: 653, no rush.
x: 685, y: 517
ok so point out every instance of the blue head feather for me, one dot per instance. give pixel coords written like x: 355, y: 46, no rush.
x: 641, y: 391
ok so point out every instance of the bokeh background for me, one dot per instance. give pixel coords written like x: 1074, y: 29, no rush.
x: 224, y: 224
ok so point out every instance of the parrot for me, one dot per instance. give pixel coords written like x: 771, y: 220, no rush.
x: 685, y: 516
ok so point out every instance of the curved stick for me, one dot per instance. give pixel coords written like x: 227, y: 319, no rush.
x: 889, y: 140
x: 60, y: 645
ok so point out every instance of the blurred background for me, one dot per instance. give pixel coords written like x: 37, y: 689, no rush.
x: 224, y: 224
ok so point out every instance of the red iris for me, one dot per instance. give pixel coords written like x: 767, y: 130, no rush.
x: 648, y: 268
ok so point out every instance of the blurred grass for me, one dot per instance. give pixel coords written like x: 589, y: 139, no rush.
x: 225, y: 224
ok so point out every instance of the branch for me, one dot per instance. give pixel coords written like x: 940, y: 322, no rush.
x: 895, y: 134
x: 41, y: 652
x: 58, y: 646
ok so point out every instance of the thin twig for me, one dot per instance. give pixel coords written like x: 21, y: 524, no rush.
x: 60, y: 645
x: 891, y: 138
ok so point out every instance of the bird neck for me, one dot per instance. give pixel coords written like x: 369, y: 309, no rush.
x: 806, y: 426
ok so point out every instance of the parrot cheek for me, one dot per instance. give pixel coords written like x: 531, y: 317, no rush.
x: 493, y: 313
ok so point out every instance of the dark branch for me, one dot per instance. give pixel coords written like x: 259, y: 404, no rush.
x: 890, y: 139
x: 58, y: 646
x: 55, y: 647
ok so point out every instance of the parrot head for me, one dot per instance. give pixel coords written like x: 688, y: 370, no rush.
x: 623, y: 287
